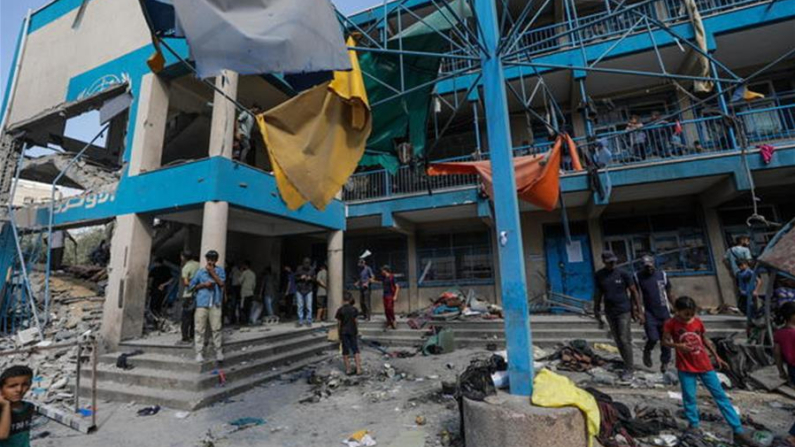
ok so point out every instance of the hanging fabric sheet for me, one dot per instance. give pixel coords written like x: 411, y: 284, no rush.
x: 406, y: 118
x: 316, y: 139
x: 253, y: 36
x: 697, y: 64
x: 537, y: 176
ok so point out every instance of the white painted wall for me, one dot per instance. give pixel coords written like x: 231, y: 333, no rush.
x: 56, y: 53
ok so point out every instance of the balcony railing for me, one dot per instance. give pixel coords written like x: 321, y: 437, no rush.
x: 596, y: 27
x: 660, y: 142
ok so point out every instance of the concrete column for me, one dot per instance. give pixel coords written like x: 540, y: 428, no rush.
x: 150, y: 125
x: 335, y: 268
x: 223, y: 122
x: 725, y: 280
x: 597, y: 244
x: 128, y: 272
x: 413, y: 274
x: 222, y: 133
x: 214, y: 226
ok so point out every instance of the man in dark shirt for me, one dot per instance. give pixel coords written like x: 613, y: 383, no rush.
x: 304, y: 284
x: 162, y: 276
x: 366, y: 278
x: 655, y: 289
x: 349, y: 332
x: 612, y: 285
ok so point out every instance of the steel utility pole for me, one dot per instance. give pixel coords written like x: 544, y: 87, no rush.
x: 506, y: 205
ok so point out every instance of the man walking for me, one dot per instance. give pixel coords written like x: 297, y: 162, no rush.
x: 366, y: 278
x: 248, y: 282
x: 190, y: 266
x: 208, y: 284
x: 304, y: 283
x: 658, y: 299
x: 612, y: 285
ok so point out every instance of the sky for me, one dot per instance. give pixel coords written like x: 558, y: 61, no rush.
x: 12, y: 12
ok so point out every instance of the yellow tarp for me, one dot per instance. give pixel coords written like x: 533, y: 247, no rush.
x: 315, y: 140
x: 554, y: 391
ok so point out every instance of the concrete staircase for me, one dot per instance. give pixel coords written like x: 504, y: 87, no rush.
x: 167, y: 374
x: 548, y: 331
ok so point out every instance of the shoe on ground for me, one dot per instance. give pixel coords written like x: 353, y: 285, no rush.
x: 199, y: 358
x: 647, y: 362
x: 746, y: 440
x: 309, y: 324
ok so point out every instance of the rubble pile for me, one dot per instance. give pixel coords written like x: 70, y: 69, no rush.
x: 75, y: 315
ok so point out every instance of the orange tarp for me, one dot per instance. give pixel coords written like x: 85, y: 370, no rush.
x: 537, y: 176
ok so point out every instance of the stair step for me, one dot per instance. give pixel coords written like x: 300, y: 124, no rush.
x: 185, y: 361
x: 197, y: 381
x: 190, y: 400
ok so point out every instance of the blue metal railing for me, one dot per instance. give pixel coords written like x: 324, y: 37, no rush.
x: 599, y: 26
x: 652, y: 143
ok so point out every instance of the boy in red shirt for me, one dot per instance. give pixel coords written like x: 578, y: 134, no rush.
x: 685, y: 333
x: 784, y: 351
x: 391, y: 289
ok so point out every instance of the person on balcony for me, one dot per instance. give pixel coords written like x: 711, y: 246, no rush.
x: 245, y: 127
x: 661, y: 135
x: 637, y: 137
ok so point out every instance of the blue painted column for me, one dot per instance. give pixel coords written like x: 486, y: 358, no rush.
x: 724, y: 108
x: 506, y: 206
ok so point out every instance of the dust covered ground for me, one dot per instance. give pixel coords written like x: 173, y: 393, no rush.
x: 386, y: 403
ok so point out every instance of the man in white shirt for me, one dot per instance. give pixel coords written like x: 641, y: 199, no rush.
x: 248, y: 282
x: 57, y: 247
x: 322, y: 292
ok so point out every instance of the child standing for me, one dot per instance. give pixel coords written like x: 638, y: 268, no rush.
x: 784, y: 351
x: 15, y: 413
x: 391, y: 289
x: 685, y: 333
x: 349, y: 333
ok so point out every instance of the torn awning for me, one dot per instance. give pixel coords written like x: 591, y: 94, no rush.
x: 780, y: 250
x: 316, y: 139
x: 537, y: 176
x: 406, y: 118
x: 262, y: 36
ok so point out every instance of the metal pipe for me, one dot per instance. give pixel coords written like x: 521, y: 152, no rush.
x: 513, y: 279
x: 52, y: 219
x: 414, y: 53
x: 12, y: 220
x: 94, y: 361
x: 77, y: 377
x: 620, y: 71
x: 724, y: 107
x: 419, y: 87
x: 12, y: 92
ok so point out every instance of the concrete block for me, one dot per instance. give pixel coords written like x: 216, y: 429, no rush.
x: 28, y: 336
x: 510, y: 421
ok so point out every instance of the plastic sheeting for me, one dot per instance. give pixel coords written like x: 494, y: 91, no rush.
x: 315, y: 140
x: 262, y: 36
x: 537, y: 176
x: 696, y: 63
x: 554, y: 391
x: 406, y: 118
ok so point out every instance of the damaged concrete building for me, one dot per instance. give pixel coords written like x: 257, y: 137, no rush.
x: 164, y: 173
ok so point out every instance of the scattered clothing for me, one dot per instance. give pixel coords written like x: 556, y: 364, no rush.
x: 555, y: 391
x: 767, y: 152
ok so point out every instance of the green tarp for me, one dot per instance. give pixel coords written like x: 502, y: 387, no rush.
x: 407, y: 116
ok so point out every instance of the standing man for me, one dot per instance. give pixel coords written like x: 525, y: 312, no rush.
x: 322, y: 292
x: 740, y: 251
x: 268, y: 290
x: 248, y: 282
x: 57, y: 245
x: 233, y: 294
x: 209, y: 284
x: 245, y: 125
x: 304, y: 283
x: 391, y: 289
x: 161, y: 277
x: 190, y: 266
x: 365, y: 280
x: 612, y: 285
x: 658, y: 300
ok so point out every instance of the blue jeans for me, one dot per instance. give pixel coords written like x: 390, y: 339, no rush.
x: 304, y: 302
x: 711, y: 382
x: 268, y: 306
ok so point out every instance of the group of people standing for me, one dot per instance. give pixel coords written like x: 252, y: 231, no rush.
x: 648, y: 298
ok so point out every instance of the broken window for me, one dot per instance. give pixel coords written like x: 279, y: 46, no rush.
x: 460, y: 258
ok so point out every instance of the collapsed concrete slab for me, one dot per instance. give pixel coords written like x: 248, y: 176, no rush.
x: 81, y: 175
